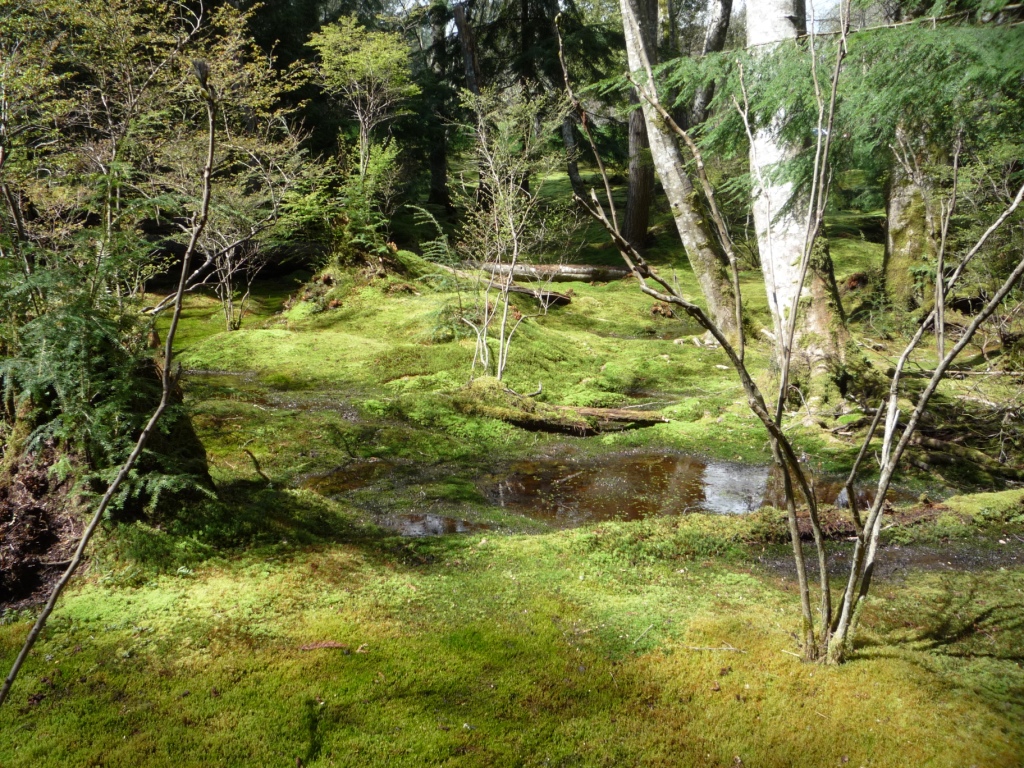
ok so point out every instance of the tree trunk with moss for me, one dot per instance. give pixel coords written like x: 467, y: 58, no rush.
x: 910, y: 246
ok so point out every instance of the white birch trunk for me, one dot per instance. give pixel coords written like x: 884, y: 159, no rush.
x: 780, y: 219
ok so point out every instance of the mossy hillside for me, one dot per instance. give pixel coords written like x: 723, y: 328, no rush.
x: 605, y: 349
x: 579, y: 647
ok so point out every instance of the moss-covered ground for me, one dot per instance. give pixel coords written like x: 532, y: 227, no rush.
x: 278, y: 625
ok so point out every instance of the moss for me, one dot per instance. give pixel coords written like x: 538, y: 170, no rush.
x: 575, y: 646
x: 911, y: 247
x: 1000, y: 507
x: 491, y: 649
x: 486, y: 396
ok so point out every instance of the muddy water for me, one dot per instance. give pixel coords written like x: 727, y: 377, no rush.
x: 429, y: 525
x: 636, y: 485
x: 570, y: 490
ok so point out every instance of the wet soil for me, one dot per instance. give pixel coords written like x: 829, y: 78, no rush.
x: 981, y: 553
x: 429, y: 525
x: 246, y: 387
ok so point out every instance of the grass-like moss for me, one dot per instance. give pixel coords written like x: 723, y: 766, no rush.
x: 279, y: 625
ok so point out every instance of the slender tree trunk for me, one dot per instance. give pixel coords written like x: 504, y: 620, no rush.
x: 571, y: 155
x: 780, y: 211
x: 468, y: 41
x: 439, y: 149
x: 719, y: 13
x: 640, y: 189
x: 710, y: 268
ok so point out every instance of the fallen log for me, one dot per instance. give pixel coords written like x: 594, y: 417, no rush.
x: 559, y: 273
x: 544, y: 298
x: 947, y: 451
x: 488, y: 397
x: 616, y: 418
x: 583, y: 422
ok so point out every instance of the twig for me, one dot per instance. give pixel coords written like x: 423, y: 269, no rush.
x: 256, y: 466
x: 725, y: 647
x: 642, y: 634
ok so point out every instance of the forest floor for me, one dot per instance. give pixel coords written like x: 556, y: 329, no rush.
x: 289, y: 622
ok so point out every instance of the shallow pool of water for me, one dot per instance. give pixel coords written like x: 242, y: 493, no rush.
x: 628, y: 487
x: 575, y: 490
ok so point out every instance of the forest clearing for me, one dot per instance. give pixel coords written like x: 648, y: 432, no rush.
x: 384, y: 388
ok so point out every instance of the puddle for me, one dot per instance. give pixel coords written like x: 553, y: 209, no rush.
x: 639, y: 485
x: 564, y: 492
x: 429, y: 525
x: 350, y: 477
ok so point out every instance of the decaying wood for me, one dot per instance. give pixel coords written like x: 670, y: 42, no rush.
x: 950, y: 450
x: 617, y: 415
x: 559, y: 273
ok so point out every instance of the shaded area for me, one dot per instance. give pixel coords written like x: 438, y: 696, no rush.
x: 894, y: 561
x: 38, y: 529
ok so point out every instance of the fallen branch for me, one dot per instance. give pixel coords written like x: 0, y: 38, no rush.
x: 950, y: 450
x: 544, y: 298
x: 616, y: 415
x: 558, y: 273
x: 256, y: 466
x: 642, y: 634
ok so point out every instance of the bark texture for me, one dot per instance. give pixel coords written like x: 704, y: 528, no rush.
x: 709, y: 266
x: 780, y: 211
x: 640, y: 189
x: 558, y: 273
x: 571, y: 155
x: 719, y: 12
x: 909, y: 241
x: 467, y: 39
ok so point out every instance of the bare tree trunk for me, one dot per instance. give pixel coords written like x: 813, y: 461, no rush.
x: 780, y: 211
x: 640, y: 182
x: 710, y: 268
x: 719, y: 13
x: 439, y: 149
x: 894, y: 443
x: 640, y: 189
x: 468, y: 40
x: 572, y: 155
